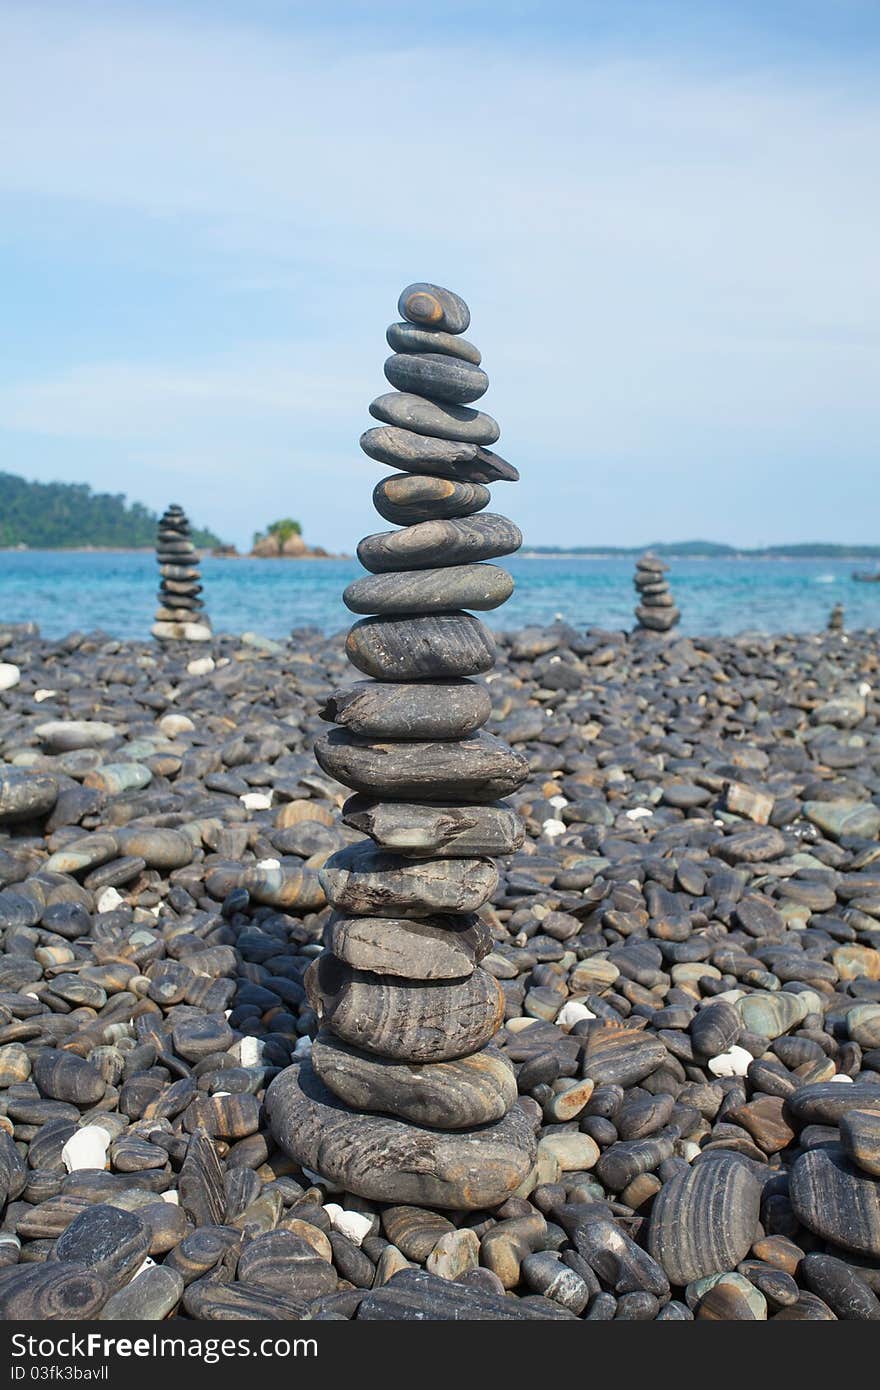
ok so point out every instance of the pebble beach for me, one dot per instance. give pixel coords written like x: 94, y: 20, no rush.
x: 685, y: 950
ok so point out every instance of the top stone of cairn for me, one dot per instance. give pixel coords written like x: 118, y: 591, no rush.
x: 429, y: 306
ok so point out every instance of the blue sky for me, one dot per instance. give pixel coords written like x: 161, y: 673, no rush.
x: 663, y: 213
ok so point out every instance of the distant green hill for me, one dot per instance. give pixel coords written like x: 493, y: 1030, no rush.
x: 64, y: 516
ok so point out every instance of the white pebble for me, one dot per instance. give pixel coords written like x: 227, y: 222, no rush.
x: 257, y: 801
x: 173, y: 724
x: 250, y: 1051
x: 840, y: 1077
x: 171, y: 1197
x: 638, y: 813
x: 9, y: 675
x: 41, y: 695
x: 559, y: 802
x: 269, y: 864
x: 86, y: 1148
x: 201, y: 666
x: 572, y: 1013
x: 734, y: 1062
x: 553, y: 827
x: 865, y: 689
x: 303, y: 1047
x: 108, y: 900
x: 349, y: 1223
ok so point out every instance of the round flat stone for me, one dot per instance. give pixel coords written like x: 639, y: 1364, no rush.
x: 704, y: 1220
x: 481, y: 587
x: 621, y: 1056
x: 389, y: 1160
x: 836, y: 1200
x: 431, y: 306
x: 408, y: 1020
x: 452, y: 831
x: 407, y: 498
x: 441, y: 710
x: 64, y: 1076
x: 410, y: 648
x: 285, y: 1262
x: 437, y: 376
x: 481, y: 768
x: 424, y: 948
x: 51, y: 1293
x: 25, y: 795
x: 458, y: 1094
x: 363, y: 879
x: 407, y: 337
x: 431, y: 544
x: 441, y: 421
x: 443, y: 458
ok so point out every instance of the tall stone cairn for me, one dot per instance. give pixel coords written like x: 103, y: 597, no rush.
x: 180, y: 616
x: 404, y: 1098
x: 837, y: 618
x: 656, y: 609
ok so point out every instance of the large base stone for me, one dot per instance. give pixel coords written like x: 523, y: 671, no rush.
x: 387, y: 1160
x: 181, y: 632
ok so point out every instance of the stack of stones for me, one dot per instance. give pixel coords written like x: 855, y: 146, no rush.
x: 404, y: 1097
x: 180, y: 615
x: 656, y: 610
x: 836, y: 620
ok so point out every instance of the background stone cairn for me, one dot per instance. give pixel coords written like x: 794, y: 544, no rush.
x: 656, y: 610
x: 180, y: 615
x: 404, y: 1098
x: 837, y: 618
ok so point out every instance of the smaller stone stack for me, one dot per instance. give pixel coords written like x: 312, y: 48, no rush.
x: 180, y: 616
x: 656, y: 610
x: 836, y: 620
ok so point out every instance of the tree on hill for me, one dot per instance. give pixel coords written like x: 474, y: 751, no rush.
x: 58, y: 516
x: 280, y: 531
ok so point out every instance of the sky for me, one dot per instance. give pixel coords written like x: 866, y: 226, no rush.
x: 663, y: 214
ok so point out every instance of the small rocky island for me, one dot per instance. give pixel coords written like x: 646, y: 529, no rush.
x: 283, y: 540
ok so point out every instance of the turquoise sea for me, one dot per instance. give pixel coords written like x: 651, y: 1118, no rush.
x: 117, y: 592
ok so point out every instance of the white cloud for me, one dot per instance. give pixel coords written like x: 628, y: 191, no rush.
x: 673, y: 270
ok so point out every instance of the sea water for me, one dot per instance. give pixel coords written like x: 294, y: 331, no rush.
x: 116, y: 591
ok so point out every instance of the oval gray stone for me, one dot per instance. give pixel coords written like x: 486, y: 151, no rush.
x: 432, y: 306
x: 836, y: 1200
x: 411, y: 412
x: 704, y: 1220
x: 412, y: 1020
x: 481, y: 587
x: 444, y: 458
x: 389, y: 1160
x: 408, y: 648
x: 412, y: 828
x: 458, y: 1094
x: 407, y: 337
x: 422, y: 948
x: 440, y: 378
x: 438, y: 543
x: 407, y: 498
x: 25, y: 795
x: 441, y: 710
x: 480, y: 768
x: 364, y: 879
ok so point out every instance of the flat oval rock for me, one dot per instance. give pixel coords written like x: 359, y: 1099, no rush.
x: 150, y: 1296
x: 621, y: 1056
x: 437, y: 376
x: 380, y: 709
x: 423, y: 948
x: 363, y: 879
x: 457, y: 1094
x: 285, y: 1262
x: 25, y: 795
x: 407, y: 337
x: 443, y: 458
x: 106, y: 1239
x: 836, y: 1200
x: 704, y: 1220
x: 432, y: 306
x: 417, y: 413
x: 481, y: 768
x: 387, y: 1160
x: 64, y: 1076
x: 412, y: 648
x: 431, y: 544
x: 51, y: 1293
x: 481, y: 587
x: 406, y: 498
x: 452, y: 831
x: 408, y: 1020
